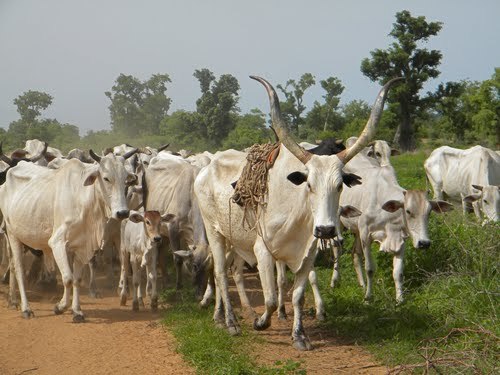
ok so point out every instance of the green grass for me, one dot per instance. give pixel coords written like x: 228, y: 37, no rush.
x: 211, y: 350
x: 452, y: 294
x: 449, y: 318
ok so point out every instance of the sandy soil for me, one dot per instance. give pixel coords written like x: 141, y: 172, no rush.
x: 116, y: 340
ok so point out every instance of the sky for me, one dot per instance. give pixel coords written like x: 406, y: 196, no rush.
x: 75, y: 50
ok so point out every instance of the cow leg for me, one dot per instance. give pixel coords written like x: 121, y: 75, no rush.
x: 397, y: 274
x: 357, y: 252
x: 337, y: 252
x: 300, y: 340
x: 135, y: 282
x: 265, y: 264
x: 125, y: 257
x: 13, y: 301
x: 77, y: 282
x: 209, y: 291
x: 6, y: 275
x: 237, y: 269
x: 318, y: 301
x: 57, y: 243
x: 17, y: 250
x: 175, y: 245
x: 162, y: 261
x: 281, y: 278
x: 153, y: 276
x: 369, y: 267
x: 218, y: 248
x: 93, y: 292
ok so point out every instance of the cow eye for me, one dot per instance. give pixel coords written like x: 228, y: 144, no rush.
x: 485, y: 201
x: 309, y: 186
x: 378, y: 154
x: 148, y: 222
x: 106, y: 179
x: 408, y: 212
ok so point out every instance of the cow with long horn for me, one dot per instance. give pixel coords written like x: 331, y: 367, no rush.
x: 302, y: 206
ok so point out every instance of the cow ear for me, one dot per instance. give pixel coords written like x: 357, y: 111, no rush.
x: 297, y: 178
x: 167, y: 217
x: 135, y: 217
x: 351, y: 179
x: 131, y: 179
x: 392, y: 206
x: 394, y: 152
x: 472, y: 198
x: 91, y: 177
x: 477, y: 187
x: 441, y: 206
x: 349, y: 211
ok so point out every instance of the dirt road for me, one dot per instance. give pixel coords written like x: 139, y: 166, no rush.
x: 115, y: 340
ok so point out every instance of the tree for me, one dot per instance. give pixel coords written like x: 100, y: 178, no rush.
x: 217, y: 104
x: 249, y: 129
x: 138, y: 107
x: 293, y: 107
x: 404, y: 59
x: 30, y: 104
x: 334, y: 88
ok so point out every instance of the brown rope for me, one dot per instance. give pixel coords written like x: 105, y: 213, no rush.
x: 251, y: 189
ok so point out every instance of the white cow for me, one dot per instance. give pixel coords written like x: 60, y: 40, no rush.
x: 62, y: 212
x: 302, y: 206
x: 168, y: 187
x: 36, y: 147
x: 389, y: 215
x: 467, y: 176
x: 140, y: 237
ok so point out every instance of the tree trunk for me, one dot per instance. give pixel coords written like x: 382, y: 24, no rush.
x: 405, y: 136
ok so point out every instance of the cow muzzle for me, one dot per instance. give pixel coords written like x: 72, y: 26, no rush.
x: 423, y: 244
x: 324, y: 231
x: 122, y: 214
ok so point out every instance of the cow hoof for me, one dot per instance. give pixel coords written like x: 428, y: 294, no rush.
x: 28, y: 314
x: 154, y: 304
x: 302, y: 344
x: 123, y: 300
x: 204, y: 303
x: 95, y: 295
x: 234, y: 330
x: 321, y: 316
x: 260, y: 326
x: 14, y: 305
x: 78, y: 318
x: 135, y: 305
x: 282, y: 313
x: 57, y: 310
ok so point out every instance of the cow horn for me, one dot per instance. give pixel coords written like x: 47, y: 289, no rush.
x: 94, y: 156
x: 34, y: 159
x: 4, y: 157
x: 143, y: 150
x: 371, y: 125
x: 161, y: 148
x: 130, y: 153
x: 279, y: 124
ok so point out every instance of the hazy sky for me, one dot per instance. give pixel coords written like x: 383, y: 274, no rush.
x: 74, y: 50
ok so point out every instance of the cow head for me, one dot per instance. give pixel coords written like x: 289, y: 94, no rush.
x: 112, y: 178
x: 322, y: 174
x: 381, y: 151
x: 488, y: 200
x: 416, y: 209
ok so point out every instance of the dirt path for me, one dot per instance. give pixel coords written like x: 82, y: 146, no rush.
x: 115, y: 340
x: 331, y: 355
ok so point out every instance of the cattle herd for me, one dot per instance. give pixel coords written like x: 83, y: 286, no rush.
x: 147, y: 203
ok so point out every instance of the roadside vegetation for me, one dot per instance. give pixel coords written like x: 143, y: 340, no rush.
x: 447, y: 324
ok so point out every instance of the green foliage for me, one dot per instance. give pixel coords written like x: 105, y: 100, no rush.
x: 30, y: 104
x: 451, y: 308
x: 211, y: 350
x: 293, y: 107
x: 250, y: 129
x: 138, y: 107
x: 415, y: 65
x: 217, y: 105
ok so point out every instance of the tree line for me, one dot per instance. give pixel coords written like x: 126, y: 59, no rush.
x: 459, y: 113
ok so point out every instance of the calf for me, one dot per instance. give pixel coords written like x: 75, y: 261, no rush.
x: 140, y: 237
